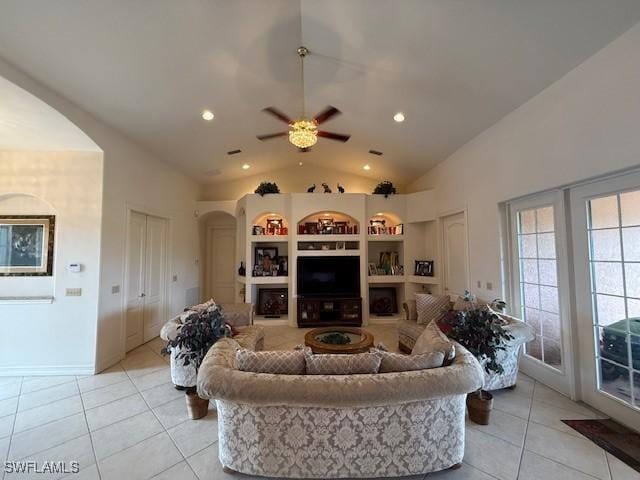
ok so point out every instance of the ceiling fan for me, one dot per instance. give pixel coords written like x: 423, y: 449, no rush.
x: 303, y: 132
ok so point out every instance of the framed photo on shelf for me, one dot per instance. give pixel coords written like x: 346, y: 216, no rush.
x: 26, y: 245
x: 311, y: 228
x: 382, y: 301
x: 274, y: 226
x: 273, y: 302
x: 257, y: 230
x: 283, y: 265
x: 424, y: 268
x: 265, y: 258
x: 373, y: 269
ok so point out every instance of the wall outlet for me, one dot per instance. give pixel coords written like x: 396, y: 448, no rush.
x: 115, y: 289
x: 73, y: 292
x: 489, y: 286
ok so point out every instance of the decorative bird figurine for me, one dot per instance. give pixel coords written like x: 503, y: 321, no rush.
x: 340, y: 188
x: 326, y: 188
x: 311, y: 188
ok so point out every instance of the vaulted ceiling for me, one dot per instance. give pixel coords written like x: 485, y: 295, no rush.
x: 454, y: 67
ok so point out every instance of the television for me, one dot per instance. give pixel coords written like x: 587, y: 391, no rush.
x: 329, y: 276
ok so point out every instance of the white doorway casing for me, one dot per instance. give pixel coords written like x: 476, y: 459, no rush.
x: 145, y: 278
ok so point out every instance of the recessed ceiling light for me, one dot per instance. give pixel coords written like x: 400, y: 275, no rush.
x: 246, y: 166
x: 367, y: 167
x: 207, y: 115
x: 300, y: 163
x: 399, y: 117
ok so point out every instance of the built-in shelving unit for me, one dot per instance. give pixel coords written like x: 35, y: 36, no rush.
x: 405, y: 231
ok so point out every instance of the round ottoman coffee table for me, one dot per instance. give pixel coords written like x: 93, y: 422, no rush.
x: 338, y: 340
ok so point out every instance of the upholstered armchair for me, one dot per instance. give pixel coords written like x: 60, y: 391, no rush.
x: 409, y: 330
x: 238, y: 315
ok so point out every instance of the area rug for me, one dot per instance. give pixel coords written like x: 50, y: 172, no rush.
x: 618, y: 440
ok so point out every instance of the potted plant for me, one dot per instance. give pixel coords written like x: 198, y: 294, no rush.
x: 385, y: 188
x: 481, y: 331
x: 267, y: 187
x: 195, y: 337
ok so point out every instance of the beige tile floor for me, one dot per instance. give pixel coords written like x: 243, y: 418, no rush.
x: 129, y: 423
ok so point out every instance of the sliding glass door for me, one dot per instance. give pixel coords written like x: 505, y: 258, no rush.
x: 606, y: 230
x: 539, y: 285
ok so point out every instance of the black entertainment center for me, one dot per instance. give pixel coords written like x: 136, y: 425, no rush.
x: 329, y: 291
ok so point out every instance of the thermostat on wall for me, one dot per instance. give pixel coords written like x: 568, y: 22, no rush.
x: 74, y: 267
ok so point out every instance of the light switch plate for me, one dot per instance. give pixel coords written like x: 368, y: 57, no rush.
x: 479, y: 284
x: 73, y: 292
x: 489, y: 286
x: 115, y: 289
x: 175, y: 278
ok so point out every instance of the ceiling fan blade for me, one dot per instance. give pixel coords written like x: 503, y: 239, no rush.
x: 269, y: 136
x: 334, y: 136
x: 277, y: 113
x: 327, y: 114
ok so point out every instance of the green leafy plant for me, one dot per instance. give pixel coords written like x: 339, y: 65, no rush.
x: 385, y: 188
x: 197, y: 335
x: 481, y: 331
x: 267, y: 187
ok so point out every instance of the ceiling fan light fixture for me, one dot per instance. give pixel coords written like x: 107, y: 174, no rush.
x: 303, y: 133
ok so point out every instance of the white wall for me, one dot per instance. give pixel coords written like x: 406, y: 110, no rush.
x: 584, y: 125
x: 60, y: 336
x: 133, y: 178
x: 293, y: 179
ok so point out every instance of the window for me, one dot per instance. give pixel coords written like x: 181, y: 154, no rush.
x: 538, y: 282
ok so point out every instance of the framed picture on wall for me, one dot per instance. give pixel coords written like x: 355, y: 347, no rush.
x: 424, y: 268
x: 26, y: 245
x: 273, y: 302
x: 382, y: 301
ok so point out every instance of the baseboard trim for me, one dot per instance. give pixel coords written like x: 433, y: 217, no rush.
x: 46, y: 370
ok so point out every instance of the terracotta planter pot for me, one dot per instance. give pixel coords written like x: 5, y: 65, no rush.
x: 196, y: 407
x: 479, y: 405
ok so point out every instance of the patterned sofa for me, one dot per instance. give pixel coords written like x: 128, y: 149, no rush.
x: 337, y: 426
x: 409, y: 330
x: 240, y: 315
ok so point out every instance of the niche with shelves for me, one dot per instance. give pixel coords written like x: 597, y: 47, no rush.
x: 328, y: 223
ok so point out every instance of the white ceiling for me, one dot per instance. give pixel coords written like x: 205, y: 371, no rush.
x: 454, y: 67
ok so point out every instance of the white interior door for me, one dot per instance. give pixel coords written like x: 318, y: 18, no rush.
x: 146, y: 277
x: 606, y: 233
x: 134, y: 283
x: 541, y: 293
x: 455, y: 254
x: 155, y: 276
x: 221, y: 271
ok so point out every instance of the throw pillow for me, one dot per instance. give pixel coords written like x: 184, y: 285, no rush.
x: 431, y: 307
x: 342, y: 364
x: 285, y: 362
x: 410, y: 309
x: 432, y: 340
x: 397, y: 362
